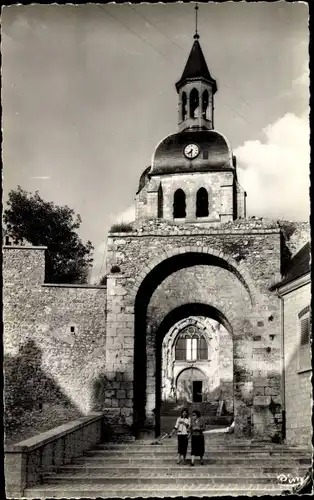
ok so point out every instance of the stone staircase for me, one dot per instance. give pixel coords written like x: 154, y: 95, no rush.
x: 139, y: 469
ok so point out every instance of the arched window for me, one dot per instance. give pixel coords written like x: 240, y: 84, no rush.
x: 160, y: 208
x: 205, y: 100
x: 184, y: 103
x: 202, y: 203
x: 191, y: 345
x: 179, y: 204
x: 194, y: 102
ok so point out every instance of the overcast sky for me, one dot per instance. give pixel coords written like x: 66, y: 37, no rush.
x: 88, y: 91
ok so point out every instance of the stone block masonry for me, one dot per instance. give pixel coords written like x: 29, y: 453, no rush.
x: 54, y: 346
x: 242, y: 259
x: 73, y: 349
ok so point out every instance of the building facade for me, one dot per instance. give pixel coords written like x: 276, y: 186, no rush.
x: 295, y: 294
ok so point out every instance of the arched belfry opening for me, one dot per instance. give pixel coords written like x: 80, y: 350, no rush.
x: 202, y: 203
x: 194, y: 103
x: 160, y: 207
x: 179, y: 204
x: 183, y: 106
x: 205, y: 103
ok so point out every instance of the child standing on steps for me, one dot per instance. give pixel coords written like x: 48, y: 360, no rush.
x: 197, y: 437
x: 182, y: 427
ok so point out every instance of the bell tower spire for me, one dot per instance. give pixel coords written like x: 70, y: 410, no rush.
x: 196, y: 36
x: 196, y: 89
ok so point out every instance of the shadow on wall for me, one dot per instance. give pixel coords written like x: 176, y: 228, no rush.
x: 114, y: 396
x: 33, y: 401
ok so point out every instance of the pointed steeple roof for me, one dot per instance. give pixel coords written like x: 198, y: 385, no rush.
x: 196, y: 67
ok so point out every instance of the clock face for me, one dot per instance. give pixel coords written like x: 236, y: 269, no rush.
x: 191, y: 151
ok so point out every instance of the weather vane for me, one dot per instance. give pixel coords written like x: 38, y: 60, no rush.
x: 196, y: 36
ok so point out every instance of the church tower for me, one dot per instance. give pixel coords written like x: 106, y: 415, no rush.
x: 193, y: 176
x: 196, y: 89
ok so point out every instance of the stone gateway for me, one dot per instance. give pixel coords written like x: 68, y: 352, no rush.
x: 189, y: 315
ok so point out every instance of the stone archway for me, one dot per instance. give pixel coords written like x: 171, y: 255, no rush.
x: 172, y: 257
x: 149, y: 261
x: 146, y: 398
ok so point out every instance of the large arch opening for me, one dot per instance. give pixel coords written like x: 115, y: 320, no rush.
x: 147, y: 375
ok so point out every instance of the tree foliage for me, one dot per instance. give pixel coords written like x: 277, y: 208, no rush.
x: 30, y: 218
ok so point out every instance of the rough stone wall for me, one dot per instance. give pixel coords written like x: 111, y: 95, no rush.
x: 226, y: 368
x: 54, y: 346
x: 241, y: 201
x: 253, y: 247
x: 298, y: 387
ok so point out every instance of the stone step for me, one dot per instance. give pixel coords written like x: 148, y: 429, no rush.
x: 173, y: 446
x: 91, y: 468
x: 158, y: 451
x: 175, y: 479
x: 211, y: 413
x: 149, y: 491
x: 140, y: 469
x: 169, y: 460
x: 222, y: 439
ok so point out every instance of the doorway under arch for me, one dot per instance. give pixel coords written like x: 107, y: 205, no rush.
x: 190, y: 385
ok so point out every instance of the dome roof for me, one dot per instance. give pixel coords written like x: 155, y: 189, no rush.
x: 214, y: 153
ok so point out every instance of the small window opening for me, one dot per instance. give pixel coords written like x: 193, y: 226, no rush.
x: 194, y: 103
x: 72, y: 329
x: 205, y: 155
x: 179, y: 206
x: 202, y: 203
x: 184, y: 103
